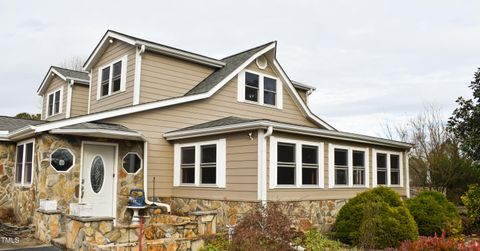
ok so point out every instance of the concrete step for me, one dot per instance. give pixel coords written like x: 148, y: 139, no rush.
x: 60, y: 242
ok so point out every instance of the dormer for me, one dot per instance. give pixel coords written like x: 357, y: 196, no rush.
x: 64, y: 93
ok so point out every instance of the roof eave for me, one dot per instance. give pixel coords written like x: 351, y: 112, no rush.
x: 101, y: 133
x: 286, y: 128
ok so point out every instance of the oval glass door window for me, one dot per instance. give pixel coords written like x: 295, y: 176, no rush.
x: 97, y: 173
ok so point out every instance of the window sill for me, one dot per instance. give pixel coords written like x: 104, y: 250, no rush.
x: 198, y: 186
x: 258, y: 104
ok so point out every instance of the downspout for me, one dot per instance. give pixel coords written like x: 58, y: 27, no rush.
x: 145, y: 180
x: 264, y: 165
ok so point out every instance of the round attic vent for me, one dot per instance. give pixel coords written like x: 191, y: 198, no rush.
x: 261, y: 62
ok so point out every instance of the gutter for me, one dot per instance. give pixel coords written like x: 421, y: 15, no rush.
x: 264, y: 124
x: 145, y: 180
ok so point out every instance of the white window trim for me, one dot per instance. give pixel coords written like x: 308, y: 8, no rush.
x: 298, y: 163
x: 73, y: 163
x: 141, y: 163
x: 60, y: 110
x: 220, y: 168
x: 123, y: 77
x: 331, y: 166
x: 374, y: 167
x: 241, y: 89
x: 24, y: 143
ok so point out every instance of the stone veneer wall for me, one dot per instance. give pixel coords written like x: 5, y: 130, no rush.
x: 7, y: 166
x: 319, y: 214
x: 61, y: 186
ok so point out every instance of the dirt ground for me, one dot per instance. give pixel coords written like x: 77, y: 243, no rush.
x: 23, y: 243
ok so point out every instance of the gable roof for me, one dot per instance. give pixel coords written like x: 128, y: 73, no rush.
x: 231, y: 63
x: 65, y: 74
x: 10, y: 124
x: 235, y: 124
x: 148, y: 45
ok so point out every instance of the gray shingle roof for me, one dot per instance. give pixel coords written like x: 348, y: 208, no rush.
x: 68, y: 73
x: 232, y: 63
x: 220, y: 122
x: 98, y: 125
x: 11, y: 124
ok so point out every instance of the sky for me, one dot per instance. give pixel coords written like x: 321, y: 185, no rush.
x: 372, y: 62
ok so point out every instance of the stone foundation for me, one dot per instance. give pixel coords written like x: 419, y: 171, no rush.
x: 7, y: 165
x: 319, y: 214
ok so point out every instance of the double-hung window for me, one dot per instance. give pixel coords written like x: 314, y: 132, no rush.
x: 358, y: 168
x: 381, y: 168
x: 341, y: 166
x: 286, y: 164
x: 201, y: 163
x: 387, y: 168
x: 348, y: 166
x: 112, y: 78
x: 394, y: 169
x: 295, y: 163
x: 24, y: 163
x: 259, y: 88
x: 54, y: 103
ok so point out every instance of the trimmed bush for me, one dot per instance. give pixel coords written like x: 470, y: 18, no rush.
x: 314, y: 240
x: 471, y: 200
x: 376, y: 218
x: 434, y: 214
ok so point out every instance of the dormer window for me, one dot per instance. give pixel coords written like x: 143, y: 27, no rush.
x: 112, y: 78
x: 259, y: 88
x: 54, y: 104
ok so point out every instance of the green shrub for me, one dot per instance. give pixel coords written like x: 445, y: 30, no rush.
x: 471, y: 200
x: 376, y: 218
x: 313, y: 240
x: 434, y: 214
x: 216, y: 243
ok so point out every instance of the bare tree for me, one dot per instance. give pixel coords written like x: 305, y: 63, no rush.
x: 73, y: 63
x: 435, y: 160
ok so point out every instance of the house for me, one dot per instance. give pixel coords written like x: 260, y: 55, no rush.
x: 196, y: 133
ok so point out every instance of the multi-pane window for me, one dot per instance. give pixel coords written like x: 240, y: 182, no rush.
x: 309, y: 165
x: 251, y: 86
x: 24, y: 163
x: 394, y: 169
x: 111, y: 78
x: 341, y: 166
x: 269, y: 91
x: 208, y: 164
x: 201, y: 163
x: 358, y: 167
x: 286, y: 164
x: 381, y: 169
x: 260, y: 89
x: 188, y: 165
x: 54, y: 103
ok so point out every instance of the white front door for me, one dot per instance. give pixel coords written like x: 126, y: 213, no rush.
x: 98, y: 169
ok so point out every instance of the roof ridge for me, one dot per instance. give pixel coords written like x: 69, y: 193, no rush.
x: 247, y: 50
x: 13, y: 117
x: 63, y: 68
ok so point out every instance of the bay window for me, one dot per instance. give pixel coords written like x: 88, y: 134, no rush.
x: 24, y: 163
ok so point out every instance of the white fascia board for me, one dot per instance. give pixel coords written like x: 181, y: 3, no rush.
x: 152, y: 46
x: 303, y: 86
x: 182, y: 54
x: 286, y: 128
x: 298, y: 99
x: 48, y: 78
x: 152, y: 105
x: 135, y: 135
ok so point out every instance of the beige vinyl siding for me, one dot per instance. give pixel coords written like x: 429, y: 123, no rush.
x: 241, y: 171
x: 303, y: 94
x: 165, y: 77
x: 114, y: 52
x: 296, y: 194
x: 55, y: 84
x: 152, y: 124
x: 79, y: 104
